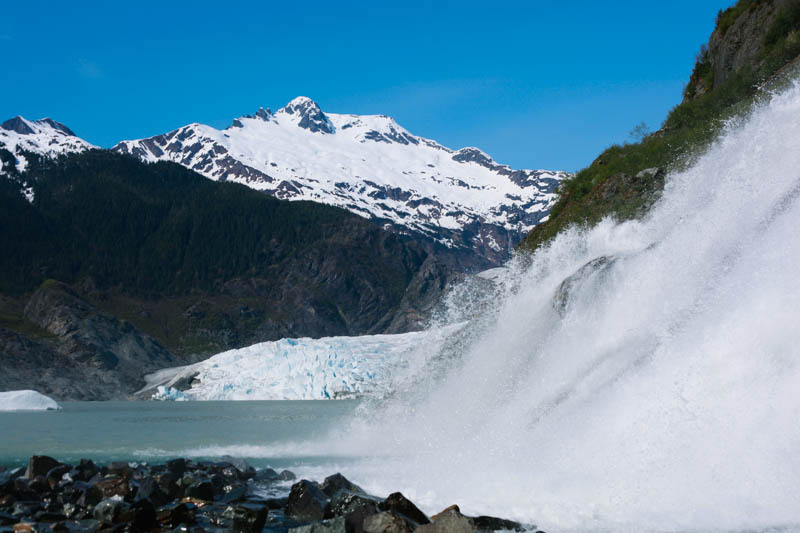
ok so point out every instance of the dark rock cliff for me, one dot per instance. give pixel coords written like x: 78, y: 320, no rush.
x: 157, y: 266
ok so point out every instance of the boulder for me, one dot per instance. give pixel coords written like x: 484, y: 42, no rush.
x: 174, y: 514
x: 491, y: 523
x: 306, y: 502
x: 249, y: 518
x: 385, y: 522
x: 110, y: 511
x: 55, y: 475
x: 354, y: 507
x: 40, y: 465
x: 287, y: 475
x: 201, y: 490
x: 120, y: 469
x: 266, y: 475
x: 177, y: 466
x: 148, y: 489
x: 449, y: 521
x: 142, y: 516
x: 113, y: 486
x: 399, y: 504
x: 241, y: 465
x: 334, y: 525
x: 337, y: 482
x: 233, y: 493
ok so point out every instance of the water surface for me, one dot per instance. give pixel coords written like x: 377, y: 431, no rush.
x: 264, y: 432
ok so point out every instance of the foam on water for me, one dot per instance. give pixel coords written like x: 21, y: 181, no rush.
x: 660, y: 390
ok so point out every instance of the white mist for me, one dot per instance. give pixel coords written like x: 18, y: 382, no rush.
x: 665, y: 395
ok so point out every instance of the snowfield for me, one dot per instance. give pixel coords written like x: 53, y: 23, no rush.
x: 367, y: 164
x: 44, y: 136
x: 26, y: 400
x: 300, y: 369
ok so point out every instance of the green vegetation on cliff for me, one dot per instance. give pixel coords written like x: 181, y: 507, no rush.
x: 614, y: 184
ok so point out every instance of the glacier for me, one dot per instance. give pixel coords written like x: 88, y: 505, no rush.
x: 300, y: 369
x: 26, y: 400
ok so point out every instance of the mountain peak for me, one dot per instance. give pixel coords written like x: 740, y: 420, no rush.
x: 23, y: 126
x: 19, y: 125
x: 263, y: 114
x: 308, y: 115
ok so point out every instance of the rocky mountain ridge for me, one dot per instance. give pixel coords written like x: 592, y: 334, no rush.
x: 367, y: 164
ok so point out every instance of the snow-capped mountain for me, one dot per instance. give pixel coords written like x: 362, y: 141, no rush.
x: 370, y: 165
x: 45, y: 136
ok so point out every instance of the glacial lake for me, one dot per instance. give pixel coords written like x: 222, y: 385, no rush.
x: 266, y: 433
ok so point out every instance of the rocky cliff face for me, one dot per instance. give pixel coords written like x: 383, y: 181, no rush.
x: 88, y: 355
x: 737, y: 44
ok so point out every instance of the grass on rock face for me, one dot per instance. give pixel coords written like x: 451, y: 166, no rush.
x: 686, y: 132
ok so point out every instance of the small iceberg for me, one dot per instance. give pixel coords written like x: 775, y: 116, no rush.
x: 26, y: 400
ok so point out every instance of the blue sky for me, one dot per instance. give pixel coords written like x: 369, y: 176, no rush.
x: 534, y: 84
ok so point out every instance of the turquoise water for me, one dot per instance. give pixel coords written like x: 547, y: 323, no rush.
x: 266, y: 433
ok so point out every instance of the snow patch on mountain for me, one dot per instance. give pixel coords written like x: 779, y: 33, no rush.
x: 370, y: 165
x: 45, y: 136
x: 301, y: 369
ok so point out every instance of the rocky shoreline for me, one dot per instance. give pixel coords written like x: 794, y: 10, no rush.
x: 197, y: 496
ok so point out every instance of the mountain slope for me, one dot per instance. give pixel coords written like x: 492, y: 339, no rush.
x: 369, y: 165
x: 198, y: 266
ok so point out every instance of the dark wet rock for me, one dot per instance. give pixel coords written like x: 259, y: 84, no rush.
x: 354, y: 507
x: 306, y: 501
x: 55, y: 475
x: 85, y: 470
x: 235, y: 494
x: 143, y: 515
x: 266, y: 474
x: 174, y: 514
x: 334, y: 525
x: 201, y: 490
x: 120, y: 469
x: 39, y: 484
x: 113, y: 486
x: 597, y: 268
x: 399, y: 504
x: 385, y: 522
x: 40, y: 465
x: 491, y: 523
x: 110, y: 511
x: 177, y: 466
x: 89, y: 496
x: 287, y: 475
x: 168, y: 483
x: 333, y: 484
x: 49, y: 516
x: 244, y: 468
x: 249, y: 517
x: 148, y: 489
x: 210, y: 496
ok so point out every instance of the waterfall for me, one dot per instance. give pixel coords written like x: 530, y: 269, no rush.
x: 633, y: 376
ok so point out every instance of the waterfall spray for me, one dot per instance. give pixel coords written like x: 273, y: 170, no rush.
x: 634, y: 376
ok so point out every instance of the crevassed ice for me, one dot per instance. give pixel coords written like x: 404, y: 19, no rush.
x: 299, y: 369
